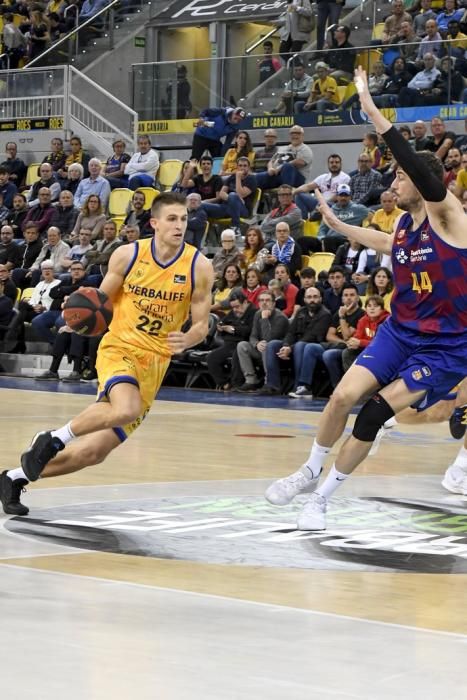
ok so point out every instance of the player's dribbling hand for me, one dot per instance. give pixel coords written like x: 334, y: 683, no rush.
x: 177, y: 341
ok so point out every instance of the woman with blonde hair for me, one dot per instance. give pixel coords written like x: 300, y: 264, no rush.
x: 91, y: 216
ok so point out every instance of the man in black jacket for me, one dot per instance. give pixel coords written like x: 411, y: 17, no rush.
x: 30, y: 251
x: 10, y: 253
x: 309, y: 326
x: 233, y: 328
x: 341, y: 57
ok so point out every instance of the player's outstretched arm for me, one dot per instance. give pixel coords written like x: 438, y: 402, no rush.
x: 378, y: 240
x: 443, y: 208
x: 200, y: 306
x: 118, y: 265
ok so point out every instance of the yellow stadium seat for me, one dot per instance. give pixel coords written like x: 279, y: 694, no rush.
x: 310, y: 228
x: 169, y: 172
x: 367, y: 59
x: 378, y: 30
x: 119, y: 200
x: 305, y: 261
x: 118, y: 221
x: 27, y: 293
x: 149, y: 195
x: 321, y: 261
x: 32, y: 174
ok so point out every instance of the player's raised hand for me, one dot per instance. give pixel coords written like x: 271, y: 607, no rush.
x: 329, y: 218
x: 361, y: 83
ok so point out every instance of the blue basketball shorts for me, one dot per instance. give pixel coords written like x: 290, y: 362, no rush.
x: 433, y: 363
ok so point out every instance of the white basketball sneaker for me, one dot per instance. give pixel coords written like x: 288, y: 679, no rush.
x: 313, y: 516
x: 455, y: 480
x: 283, y: 491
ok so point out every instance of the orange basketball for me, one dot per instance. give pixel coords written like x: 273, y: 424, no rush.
x: 88, y: 311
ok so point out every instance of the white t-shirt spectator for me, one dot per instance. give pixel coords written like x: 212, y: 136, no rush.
x: 143, y: 163
x: 329, y: 183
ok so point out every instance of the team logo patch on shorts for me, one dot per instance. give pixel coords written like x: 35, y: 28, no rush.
x: 426, y: 371
x: 179, y: 279
x: 417, y: 374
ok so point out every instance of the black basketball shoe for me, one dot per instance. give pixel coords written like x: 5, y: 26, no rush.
x: 10, y: 492
x: 43, y: 448
x: 458, y: 422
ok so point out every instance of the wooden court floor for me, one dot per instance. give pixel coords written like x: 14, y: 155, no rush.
x: 163, y: 573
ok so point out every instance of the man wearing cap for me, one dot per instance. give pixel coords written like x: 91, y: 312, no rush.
x: 197, y: 219
x: 324, y: 93
x: 264, y: 155
x: 291, y: 165
x: 345, y: 210
x: 213, y: 126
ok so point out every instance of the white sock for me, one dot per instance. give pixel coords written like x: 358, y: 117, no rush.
x: 14, y: 474
x: 314, y: 464
x: 333, y: 480
x: 461, y: 459
x: 65, y: 434
x: 390, y: 423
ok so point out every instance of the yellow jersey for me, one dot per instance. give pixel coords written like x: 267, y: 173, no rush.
x: 155, y: 297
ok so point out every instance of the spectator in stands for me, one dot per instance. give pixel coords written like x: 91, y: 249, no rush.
x: 235, y: 326
x: 7, y: 188
x: 287, y: 212
x: 75, y: 175
x: 307, y: 279
x: 406, y: 42
x: 197, y: 220
x: 291, y: 165
x: 268, y: 324
x: 424, y: 90
x: 450, y: 13
x: 386, y: 216
x: 345, y: 210
x: 14, y: 43
x: 39, y: 302
x: 10, y: 253
x: 431, y: 44
x: 399, y: 77
x: 230, y: 281
x: 285, y: 250
x: 420, y: 140
x: 381, y: 282
x: 276, y: 288
x: 91, y: 216
x: 46, y: 179
x: 242, y: 148
x: 329, y: 12
x: 297, y: 90
x: 452, y: 166
x: 327, y: 183
x: 341, y: 57
x: 39, y: 35
x: 66, y: 214
x: 42, y: 213
x: 364, y: 181
x: 30, y: 251
x: 366, y: 329
x: 457, y: 45
x: 376, y: 81
x: 324, y: 95
x: 253, y: 286
x: 114, y: 168
x: 461, y: 179
x: 440, y: 140
x: 420, y: 19
x: 143, y: 165
x: 17, y: 214
x: 254, y: 244
x: 205, y: 183
x: 44, y: 322
x: 77, y: 155
x: 236, y: 197
x: 392, y: 23
x: 213, y: 126
x: 267, y: 64
x: 308, y: 328
x: 97, y: 259
x: 332, y: 298
x: 264, y: 155
x: 370, y: 148
x: 55, y: 250
x: 4, y: 211
x: 182, y: 89
x: 78, y: 251
x: 95, y: 184
x: 227, y: 255
x: 57, y: 157
x: 57, y: 27
x: 90, y: 8
x: 16, y: 167
x: 185, y: 171
x: 138, y: 215
x: 295, y: 25
x: 132, y: 233
x: 348, y: 257
x: 9, y: 288
x: 289, y: 291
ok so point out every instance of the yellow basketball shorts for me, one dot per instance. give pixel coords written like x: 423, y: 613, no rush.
x: 117, y: 363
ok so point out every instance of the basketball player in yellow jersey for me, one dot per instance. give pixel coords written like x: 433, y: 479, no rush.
x: 154, y: 284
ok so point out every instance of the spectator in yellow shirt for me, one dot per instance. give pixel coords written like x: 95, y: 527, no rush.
x: 387, y: 215
x: 461, y: 179
x: 324, y: 94
x: 242, y: 147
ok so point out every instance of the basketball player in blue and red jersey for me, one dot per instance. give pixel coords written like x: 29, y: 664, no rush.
x: 420, y: 351
x: 154, y: 285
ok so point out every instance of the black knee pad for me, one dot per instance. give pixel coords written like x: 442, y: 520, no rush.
x: 372, y: 416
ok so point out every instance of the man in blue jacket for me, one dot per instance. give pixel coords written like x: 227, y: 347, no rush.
x: 213, y: 125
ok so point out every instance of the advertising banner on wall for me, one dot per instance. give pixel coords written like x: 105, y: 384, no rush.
x: 182, y: 12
